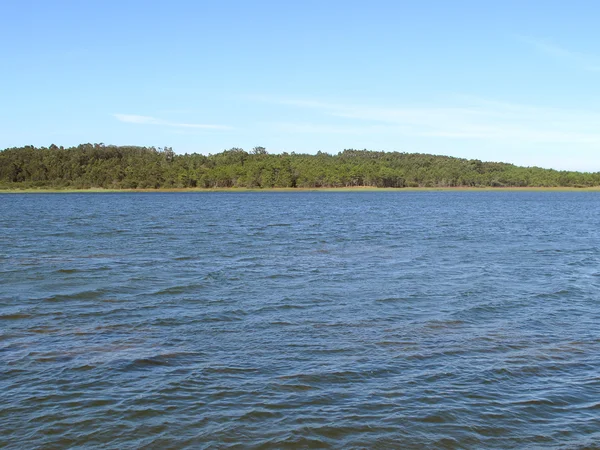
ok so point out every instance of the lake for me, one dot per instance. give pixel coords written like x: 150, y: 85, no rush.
x: 300, y: 320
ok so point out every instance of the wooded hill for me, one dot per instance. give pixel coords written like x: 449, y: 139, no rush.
x: 107, y: 166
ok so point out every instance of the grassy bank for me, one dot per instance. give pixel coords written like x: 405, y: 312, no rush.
x: 341, y: 189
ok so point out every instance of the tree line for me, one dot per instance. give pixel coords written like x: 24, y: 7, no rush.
x: 130, y: 167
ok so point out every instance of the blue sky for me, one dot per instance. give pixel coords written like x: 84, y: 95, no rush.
x: 514, y: 81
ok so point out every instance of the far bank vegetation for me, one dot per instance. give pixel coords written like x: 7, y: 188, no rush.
x: 113, y: 167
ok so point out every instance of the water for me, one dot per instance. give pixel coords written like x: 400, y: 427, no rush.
x: 300, y: 320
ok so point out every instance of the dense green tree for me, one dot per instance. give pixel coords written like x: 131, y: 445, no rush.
x: 106, y: 166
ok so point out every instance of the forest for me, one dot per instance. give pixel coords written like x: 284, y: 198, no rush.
x: 130, y: 167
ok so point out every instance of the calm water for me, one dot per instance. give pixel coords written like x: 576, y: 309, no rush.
x: 300, y: 320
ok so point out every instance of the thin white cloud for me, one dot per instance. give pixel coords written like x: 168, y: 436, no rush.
x: 178, y: 111
x: 148, y: 120
x: 307, y: 127
x: 478, y: 120
x: 573, y: 58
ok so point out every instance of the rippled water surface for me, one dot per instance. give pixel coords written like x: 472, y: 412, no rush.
x: 300, y: 320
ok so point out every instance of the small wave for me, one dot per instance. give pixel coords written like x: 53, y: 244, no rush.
x: 294, y: 442
x: 340, y: 376
x: 260, y: 415
x: 229, y: 370
x: 226, y: 316
x: 554, y: 295
x: 334, y: 325
x: 179, y: 289
x: 250, y: 258
x: 53, y: 358
x: 443, y: 324
x: 111, y: 300
x: 401, y: 344
x: 220, y: 276
x: 276, y: 276
x: 152, y: 361
x: 283, y: 307
x: 82, y: 295
x: 437, y: 418
x: 293, y: 387
x: 83, y: 368
x: 113, y: 232
x: 591, y: 405
x: 43, y: 330
x: 163, y: 359
x: 538, y: 402
x: 290, y: 306
x: 184, y: 258
x: 391, y: 300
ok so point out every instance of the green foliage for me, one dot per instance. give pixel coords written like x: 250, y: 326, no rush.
x: 102, y: 166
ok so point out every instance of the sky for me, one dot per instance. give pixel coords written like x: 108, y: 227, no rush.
x: 512, y: 81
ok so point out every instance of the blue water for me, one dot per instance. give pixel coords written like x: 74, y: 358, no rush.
x: 300, y: 320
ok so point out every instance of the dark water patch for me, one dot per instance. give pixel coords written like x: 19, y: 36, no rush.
x: 15, y: 316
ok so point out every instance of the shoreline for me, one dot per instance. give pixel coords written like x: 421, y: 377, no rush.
x: 324, y: 189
